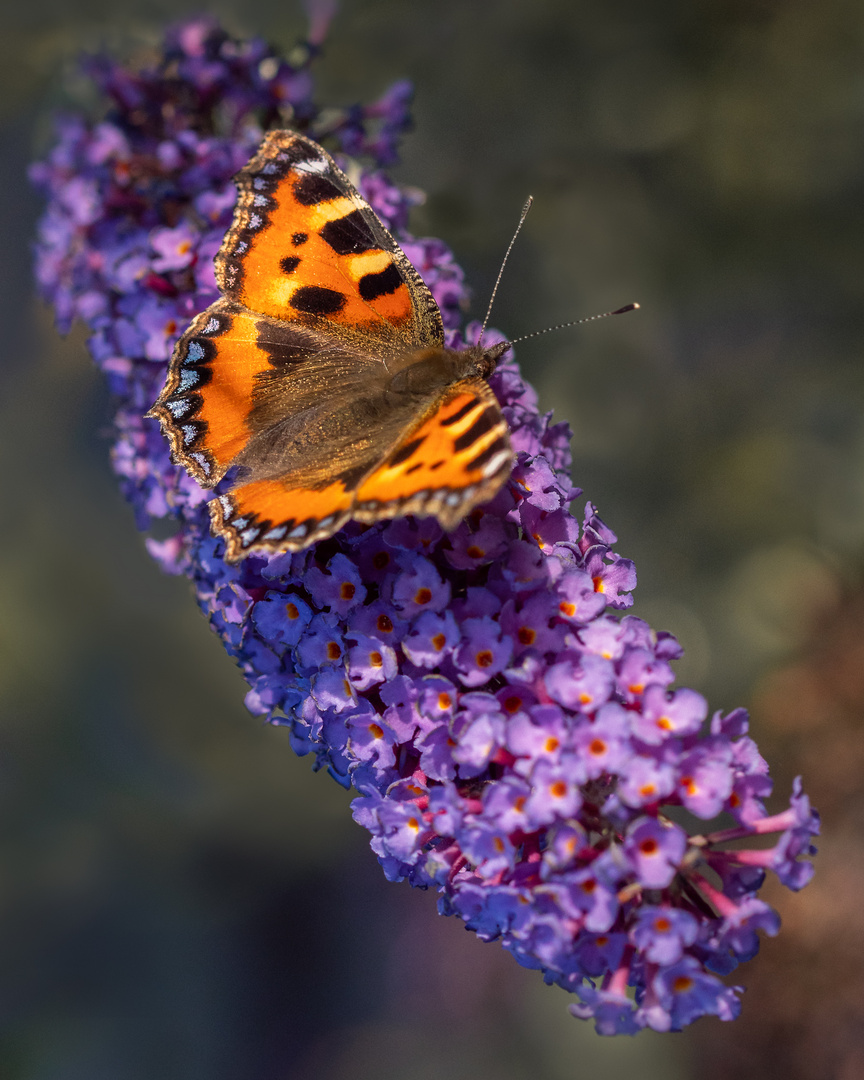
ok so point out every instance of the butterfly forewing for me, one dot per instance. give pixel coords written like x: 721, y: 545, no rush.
x: 305, y: 246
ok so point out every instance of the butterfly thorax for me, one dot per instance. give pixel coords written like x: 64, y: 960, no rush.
x: 423, y: 370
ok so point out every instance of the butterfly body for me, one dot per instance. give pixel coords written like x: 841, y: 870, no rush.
x: 320, y: 380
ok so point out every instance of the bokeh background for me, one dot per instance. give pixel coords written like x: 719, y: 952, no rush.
x: 182, y: 898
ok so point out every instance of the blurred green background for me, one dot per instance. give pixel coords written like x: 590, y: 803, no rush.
x: 179, y: 896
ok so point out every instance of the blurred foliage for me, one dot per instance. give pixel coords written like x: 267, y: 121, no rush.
x: 183, y: 898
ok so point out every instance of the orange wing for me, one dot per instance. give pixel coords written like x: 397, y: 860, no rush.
x: 454, y: 457
x: 305, y: 246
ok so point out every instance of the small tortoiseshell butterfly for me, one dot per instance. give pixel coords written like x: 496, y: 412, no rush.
x: 321, y: 374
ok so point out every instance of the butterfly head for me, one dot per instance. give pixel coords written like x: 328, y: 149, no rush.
x: 485, y: 360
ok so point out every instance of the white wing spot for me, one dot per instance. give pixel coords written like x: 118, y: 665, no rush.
x: 313, y: 165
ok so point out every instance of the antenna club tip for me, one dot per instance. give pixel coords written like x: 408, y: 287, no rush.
x: 626, y: 308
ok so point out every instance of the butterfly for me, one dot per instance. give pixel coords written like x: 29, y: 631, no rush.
x: 320, y: 377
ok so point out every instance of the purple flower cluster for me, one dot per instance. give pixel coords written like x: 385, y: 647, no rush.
x: 514, y: 741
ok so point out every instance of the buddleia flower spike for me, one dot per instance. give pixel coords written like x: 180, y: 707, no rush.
x: 514, y: 738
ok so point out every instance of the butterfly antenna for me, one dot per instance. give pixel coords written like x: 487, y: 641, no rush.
x: 522, y: 217
x: 576, y: 322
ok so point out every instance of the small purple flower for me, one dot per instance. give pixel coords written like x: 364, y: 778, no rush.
x: 484, y: 651
x: 536, y: 734
x: 472, y: 548
x: 555, y: 793
x: 369, y: 662
x: 680, y: 713
x: 645, y: 781
x: 436, y: 746
x: 683, y: 992
x: 323, y: 645
x: 332, y: 693
x: 489, y: 848
x: 603, y: 747
x: 431, y: 639
x: 599, y: 953
x: 514, y: 742
x: 478, y: 733
x: 585, y: 683
x: 175, y: 248
x: 579, y: 602
x: 419, y: 588
x: 655, y: 851
x: 282, y: 617
x: 662, y: 933
x: 370, y: 739
x: 705, y: 779
x: 339, y: 588
x: 528, y: 624
x: 593, y: 893
x: 506, y: 803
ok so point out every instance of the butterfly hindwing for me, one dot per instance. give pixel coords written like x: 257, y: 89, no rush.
x: 267, y: 515
x: 210, y: 382
x: 453, y: 458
